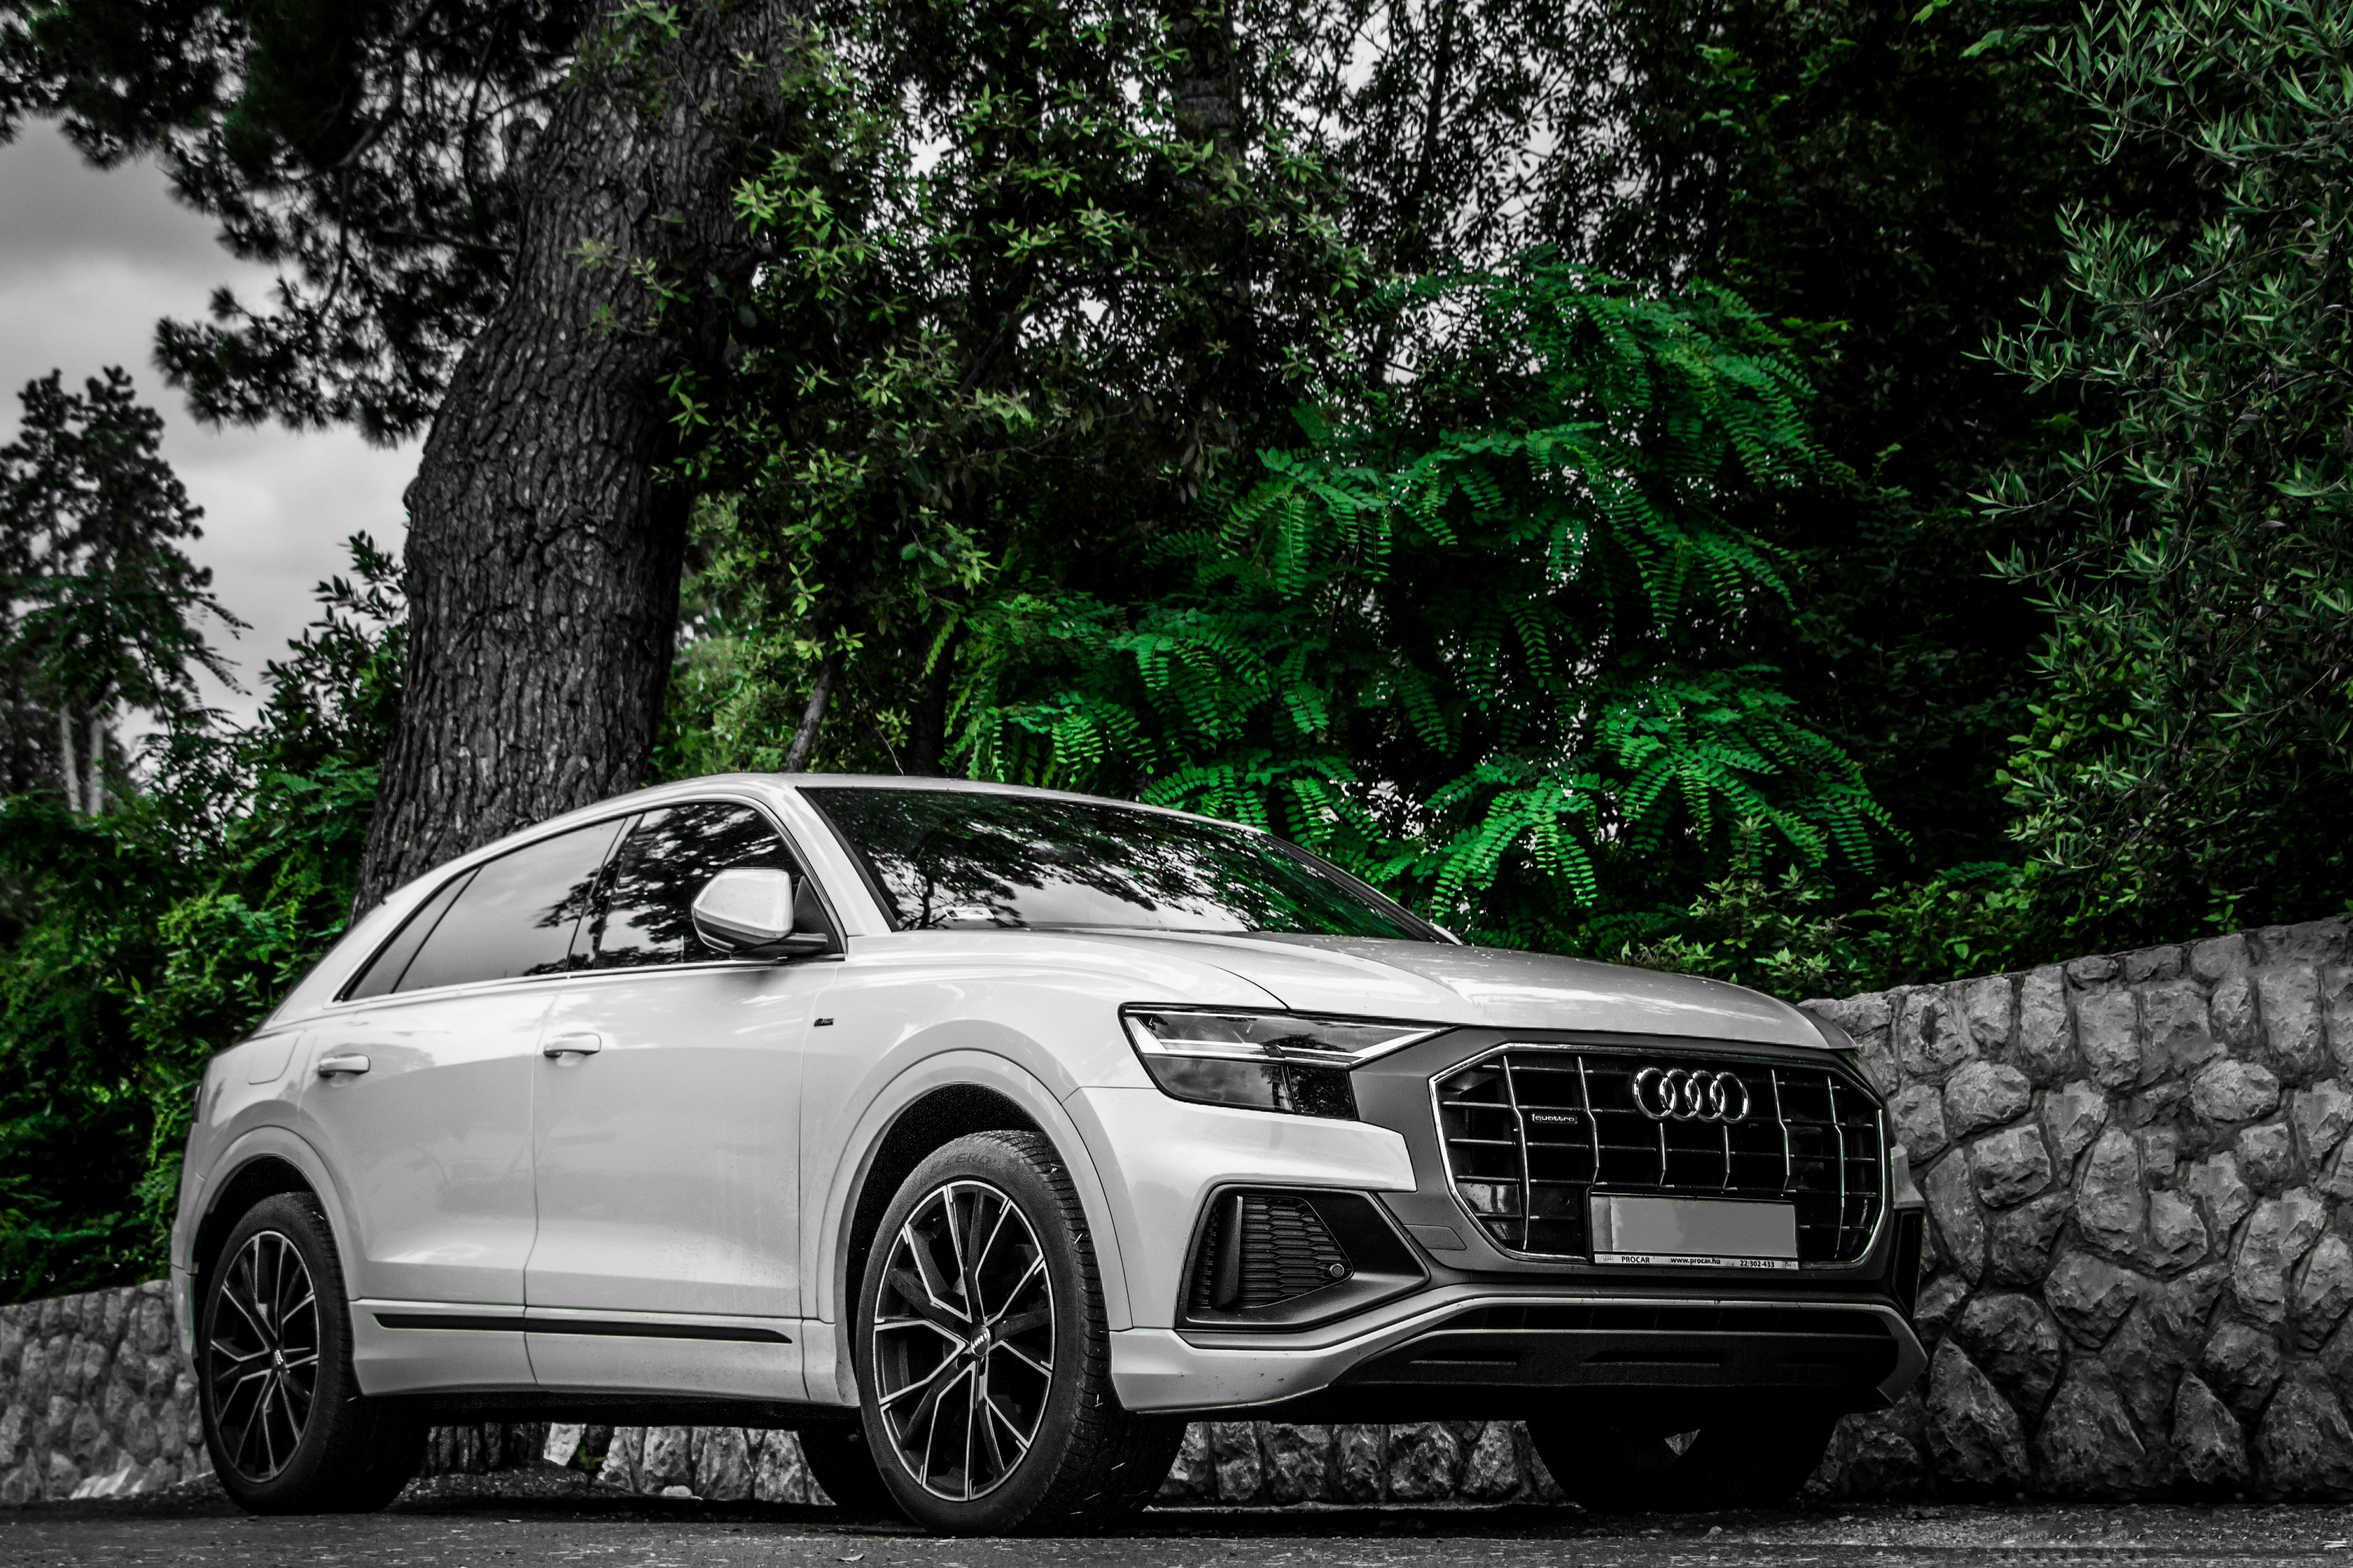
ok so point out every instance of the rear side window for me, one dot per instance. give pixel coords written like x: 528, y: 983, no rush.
x: 662, y: 864
x: 517, y: 915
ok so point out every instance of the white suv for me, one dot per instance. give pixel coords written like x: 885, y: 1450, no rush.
x: 985, y: 1135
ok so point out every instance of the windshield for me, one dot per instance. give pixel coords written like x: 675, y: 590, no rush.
x: 959, y: 857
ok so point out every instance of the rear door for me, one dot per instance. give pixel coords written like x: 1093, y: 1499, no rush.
x: 418, y: 1090
x: 666, y: 1133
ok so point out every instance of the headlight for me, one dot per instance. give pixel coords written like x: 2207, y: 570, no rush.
x: 1270, y: 1061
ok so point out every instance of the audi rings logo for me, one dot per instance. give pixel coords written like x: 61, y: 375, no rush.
x: 1679, y: 1094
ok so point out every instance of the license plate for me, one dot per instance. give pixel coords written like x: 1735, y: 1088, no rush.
x: 1695, y: 1233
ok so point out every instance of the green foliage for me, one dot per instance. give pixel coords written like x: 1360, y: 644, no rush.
x: 1491, y: 653
x: 2193, y: 753
x: 139, y: 942
x: 1021, y: 305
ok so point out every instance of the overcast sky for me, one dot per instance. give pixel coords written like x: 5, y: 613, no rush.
x: 87, y: 262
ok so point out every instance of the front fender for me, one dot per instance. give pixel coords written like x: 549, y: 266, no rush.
x: 825, y: 1343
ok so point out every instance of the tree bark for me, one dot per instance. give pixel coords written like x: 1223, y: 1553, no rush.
x: 804, y: 741
x: 927, y: 737
x: 543, y: 546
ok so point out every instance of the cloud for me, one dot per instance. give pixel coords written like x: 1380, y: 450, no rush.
x: 88, y: 261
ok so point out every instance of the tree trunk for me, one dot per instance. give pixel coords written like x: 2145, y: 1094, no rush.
x: 544, y: 546
x: 68, y: 770
x: 804, y: 741
x: 927, y: 737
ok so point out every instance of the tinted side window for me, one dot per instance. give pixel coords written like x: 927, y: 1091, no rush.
x: 517, y: 916
x: 383, y: 973
x: 662, y: 864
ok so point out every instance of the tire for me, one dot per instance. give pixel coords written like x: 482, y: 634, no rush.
x: 986, y: 1393
x: 1735, y: 1457
x: 843, y: 1464
x: 284, y: 1420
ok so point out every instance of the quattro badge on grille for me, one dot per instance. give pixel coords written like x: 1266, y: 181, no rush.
x: 1682, y: 1094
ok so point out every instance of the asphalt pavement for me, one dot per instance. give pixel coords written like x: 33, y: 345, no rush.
x: 462, y: 1522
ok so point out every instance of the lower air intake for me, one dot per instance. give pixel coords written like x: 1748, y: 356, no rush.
x: 1259, y: 1250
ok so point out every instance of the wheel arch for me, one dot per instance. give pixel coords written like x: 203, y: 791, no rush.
x: 264, y: 1163
x: 932, y: 1104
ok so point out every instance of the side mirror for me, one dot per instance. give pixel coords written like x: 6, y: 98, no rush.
x: 747, y: 913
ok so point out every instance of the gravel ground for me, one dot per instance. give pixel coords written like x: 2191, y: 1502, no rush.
x: 546, y: 1517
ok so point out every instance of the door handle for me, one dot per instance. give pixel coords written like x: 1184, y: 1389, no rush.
x: 353, y: 1063
x: 581, y: 1044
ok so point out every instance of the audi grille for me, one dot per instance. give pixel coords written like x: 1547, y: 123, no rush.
x: 1530, y: 1131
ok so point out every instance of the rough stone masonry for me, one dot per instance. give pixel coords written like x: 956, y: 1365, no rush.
x: 2137, y: 1169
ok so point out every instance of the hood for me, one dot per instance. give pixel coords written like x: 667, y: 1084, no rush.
x: 1442, y: 984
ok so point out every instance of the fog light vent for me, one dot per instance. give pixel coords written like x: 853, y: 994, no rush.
x: 1260, y: 1249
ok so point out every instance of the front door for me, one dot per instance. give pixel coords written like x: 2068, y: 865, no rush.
x: 665, y: 1114
x: 418, y: 1090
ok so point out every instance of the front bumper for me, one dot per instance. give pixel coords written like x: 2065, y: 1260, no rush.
x: 1488, y: 1335
x: 1464, y: 1352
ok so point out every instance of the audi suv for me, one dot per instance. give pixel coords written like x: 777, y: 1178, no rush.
x: 985, y: 1136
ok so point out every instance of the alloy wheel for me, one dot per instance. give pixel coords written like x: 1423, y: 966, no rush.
x: 263, y: 1355
x: 963, y: 1345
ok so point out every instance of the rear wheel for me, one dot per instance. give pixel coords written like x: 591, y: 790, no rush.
x: 984, y: 1363
x: 285, y: 1421
x: 1736, y: 1455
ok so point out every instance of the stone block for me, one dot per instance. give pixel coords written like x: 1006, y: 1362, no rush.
x: 2177, y: 1234
x: 1960, y: 1224
x: 1919, y: 1116
x: 2008, y: 1167
x: 151, y: 1326
x: 21, y: 1485
x: 1493, y: 1473
x: 2283, y: 1230
x: 2337, y: 1012
x: 2304, y: 1450
x: 1193, y: 1478
x: 60, y: 1475
x: 2152, y: 963
x: 2228, y: 1091
x: 2323, y: 1289
x: 2110, y: 1201
x: 1300, y: 1462
x: 1423, y: 1458
x: 2097, y: 968
x: 1865, y: 1020
x: 1875, y: 1454
x: 1987, y: 1004
x: 1362, y: 1463
x: 1984, y: 1094
x: 668, y: 1460
x: 2321, y: 1116
x: 2209, y: 1444
x: 2045, y: 1051
x: 2072, y: 1116
x: 2087, y: 1446
x: 2233, y: 1009
x: 1975, y: 1439
x: 2218, y: 1183
x: 2176, y: 1035
x: 2018, y: 1242
x: 2107, y: 1032
x: 2012, y: 1340
x: 2289, y: 997
x: 780, y: 1470
x: 1240, y: 1466
x: 2143, y: 1363
x: 722, y: 1463
x: 2090, y: 1295
x: 1931, y: 1038
x: 2267, y: 1155
x: 1941, y: 1299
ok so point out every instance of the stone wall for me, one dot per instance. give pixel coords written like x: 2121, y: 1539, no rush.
x: 2142, y: 1257
x: 2137, y: 1171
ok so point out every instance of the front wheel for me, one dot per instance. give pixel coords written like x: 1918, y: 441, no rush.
x: 285, y: 1421
x: 983, y: 1364
x: 1733, y: 1456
